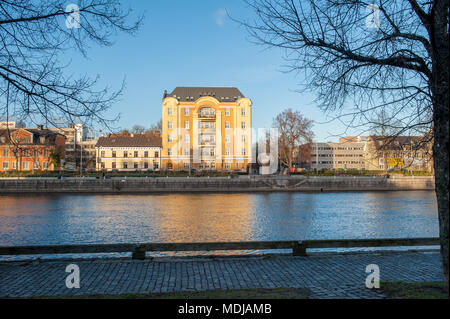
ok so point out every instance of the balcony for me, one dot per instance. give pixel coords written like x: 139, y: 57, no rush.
x: 206, y: 143
x: 207, y: 116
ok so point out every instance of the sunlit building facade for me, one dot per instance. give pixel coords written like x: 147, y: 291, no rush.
x: 128, y: 153
x: 206, y: 128
x: 30, y: 149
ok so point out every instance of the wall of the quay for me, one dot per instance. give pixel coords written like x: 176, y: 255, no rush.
x: 214, y: 184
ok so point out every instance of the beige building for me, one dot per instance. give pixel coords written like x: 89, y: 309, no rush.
x: 206, y: 128
x: 337, y: 155
x: 401, y: 152
x: 128, y: 153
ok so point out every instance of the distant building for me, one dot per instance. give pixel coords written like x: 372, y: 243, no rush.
x: 128, y: 153
x: 30, y: 149
x: 80, y: 146
x: 206, y: 128
x: 353, y: 139
x: 374, y: 153
x: 401, y: 152
x: 86, y: 157
x: 6, y: 125
x: 337, y: 156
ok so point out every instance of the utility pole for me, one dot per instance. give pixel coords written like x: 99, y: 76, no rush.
x: 317, y: 156
x: 81, y: 159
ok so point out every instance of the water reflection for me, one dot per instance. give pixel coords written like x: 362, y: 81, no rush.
x: 65, y: 219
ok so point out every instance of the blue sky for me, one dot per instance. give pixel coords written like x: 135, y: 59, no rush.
x: 194, y: 43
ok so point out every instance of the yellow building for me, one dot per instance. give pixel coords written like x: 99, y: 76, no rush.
x: 206, y: 128
x: 128, y: 153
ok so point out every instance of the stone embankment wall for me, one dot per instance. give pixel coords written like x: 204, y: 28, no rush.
x: 214, y: 184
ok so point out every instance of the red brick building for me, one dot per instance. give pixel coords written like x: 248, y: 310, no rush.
x: 30, y: 149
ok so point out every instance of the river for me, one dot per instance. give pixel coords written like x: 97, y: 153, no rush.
x: 82, y: 219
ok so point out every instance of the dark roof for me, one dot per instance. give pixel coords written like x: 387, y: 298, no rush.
x: 188, y: 94
x: 397, y: 142
x: 129, y: 141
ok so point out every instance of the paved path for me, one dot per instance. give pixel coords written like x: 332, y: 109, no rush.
x: 325, y: 276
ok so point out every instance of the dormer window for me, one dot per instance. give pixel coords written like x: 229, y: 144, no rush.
x: 42, y: 139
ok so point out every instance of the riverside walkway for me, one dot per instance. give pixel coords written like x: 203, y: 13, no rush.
x: 321, y: 275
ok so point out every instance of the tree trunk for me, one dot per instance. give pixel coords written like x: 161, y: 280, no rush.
x: 440, y: 98
x: 441, y: 167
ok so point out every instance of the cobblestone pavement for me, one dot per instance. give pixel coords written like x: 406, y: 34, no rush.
x: 325, y: 276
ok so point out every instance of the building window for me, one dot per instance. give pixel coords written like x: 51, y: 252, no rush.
x: 136, y: 154
x: 227, y: 138
x: 227, y: 124
x: 187, y: 138
x: 42, y: 139
x: 5, y: 165
x: 26, y: 140
x: 5, y: 153
x: 125, y: 165
x: 169, y: 125
x: 35, y: 165
x: 186, y: 124
x: 169, y: 111
x: 169, y: 166
x: 213, y: 165
x: 146, y: 154
x: 45, y: 165
x: 103, y: 165
x: 113, y: 165
x: 102, y: 154
x: 187, y: 152
x: 125, y: 153
x: 227, y: 111
x: 243, y: 111
x: 243, y: 138
x: 26, y: 153
x: 169, y: 151
x: 145, y: 164
x: 113, y: 153
x: 186, y: 165
x: 136, y: 165
x: 169, y: 138
x: 186, y: 111
x: 227, y: 166
x: 35, y: 153
x: 227, y: 151
x: 155, y: 165
x: 243, y: 151
x: 14, y: 165
x: 25, y: 165
x: 156, y: 154
x: 242, y: 124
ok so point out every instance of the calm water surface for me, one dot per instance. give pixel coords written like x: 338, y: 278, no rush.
x: 69, y: 219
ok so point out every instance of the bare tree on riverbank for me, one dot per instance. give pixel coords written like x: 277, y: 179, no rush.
x: 294, y: 130
x: 382, y: 55
x: 33, y: 81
